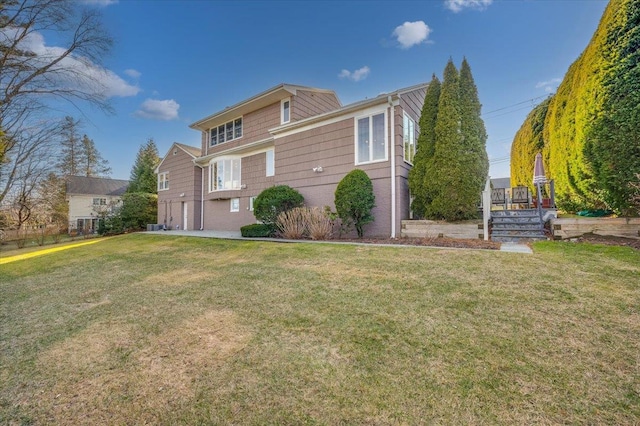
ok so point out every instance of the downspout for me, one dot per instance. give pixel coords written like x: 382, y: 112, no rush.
x: 201, y: 197
x: 392, y: 150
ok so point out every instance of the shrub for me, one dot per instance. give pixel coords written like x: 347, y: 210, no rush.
x: 354, y: 200
x: 293, y: 224
x: 258, y: 230
x: 320, y: 224
x: 275, y: 200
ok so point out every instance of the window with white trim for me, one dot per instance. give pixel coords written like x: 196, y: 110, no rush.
x: 251, y: 201
x: 409, y: 138
x: 285, y: 111
x: 99, y: 201
x: 371, y: 138
x: 235, y: 205
x: 225, y: 132
x: 163, y: 181
x: 224, y: 174
x: 271, y: 163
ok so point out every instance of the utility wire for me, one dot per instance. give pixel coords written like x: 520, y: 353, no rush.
x: 516, y: 104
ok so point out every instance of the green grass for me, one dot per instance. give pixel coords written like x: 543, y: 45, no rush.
x: 173, y: 330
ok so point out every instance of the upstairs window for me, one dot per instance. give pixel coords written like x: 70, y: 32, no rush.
x: 226, y: 132
x: 99, y: 201
x: 285, y: 111
x: 409, y: 138
x: 371, y: 140
x: 224, y: 175
x: 271, y: 163
x: 163, y: 181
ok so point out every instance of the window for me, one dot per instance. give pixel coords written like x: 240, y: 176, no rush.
x: 225, y: 132
x: 271, y: 163
x: 163, y: 181
x: 235, y: 205
x: 371, y: 140
x: 224, y: 174
x: 285, y: 111
x: 409, y: 138
x: 251, y: 201
x: 99, y: 201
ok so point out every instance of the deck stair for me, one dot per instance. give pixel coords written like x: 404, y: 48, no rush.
x: 516, y: 225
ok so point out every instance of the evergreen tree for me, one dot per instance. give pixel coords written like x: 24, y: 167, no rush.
x: 143, y: 177
x: 91, y: 161
x: 425, y: 148
x: 612, y: 141
x: 473, y: 154
x: 443, y: 172
x: 527, y: 142
x: 70, y: 148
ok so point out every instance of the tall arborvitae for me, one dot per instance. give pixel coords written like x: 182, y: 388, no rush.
x: 526, y: 144
x: 442, y: 177
x: 473, y: 152
x: 91, y: 162
x: 612, y: 141
x: 143, y: 177
x: 425, y: 148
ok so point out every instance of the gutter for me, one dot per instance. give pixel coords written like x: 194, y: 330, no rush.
x: 201, y: 195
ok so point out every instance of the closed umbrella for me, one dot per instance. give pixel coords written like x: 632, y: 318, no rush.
x: 538, y: 179
x: 538, y: 171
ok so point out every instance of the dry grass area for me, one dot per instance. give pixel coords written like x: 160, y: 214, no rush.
x: 146, y: 329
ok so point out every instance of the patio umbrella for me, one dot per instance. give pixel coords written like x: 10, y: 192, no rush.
x: 538, y: 171
x: 538, y: 179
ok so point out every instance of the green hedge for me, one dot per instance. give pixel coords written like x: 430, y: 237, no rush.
x: 258, y: 230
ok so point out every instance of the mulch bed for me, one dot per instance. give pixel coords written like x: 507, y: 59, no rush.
x: 609, y: 240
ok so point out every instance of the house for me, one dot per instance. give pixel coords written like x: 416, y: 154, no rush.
x: 297, y: 136
x: 91, y: 197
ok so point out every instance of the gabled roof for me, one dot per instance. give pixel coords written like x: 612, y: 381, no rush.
x: 382, y: 98
x: 192, y: 151
x: 96, y: 186
x: 268, y: 97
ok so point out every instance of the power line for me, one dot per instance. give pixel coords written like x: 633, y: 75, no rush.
x: 514, y: 105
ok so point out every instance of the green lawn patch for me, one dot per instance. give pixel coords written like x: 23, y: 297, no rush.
x: 176, y: 330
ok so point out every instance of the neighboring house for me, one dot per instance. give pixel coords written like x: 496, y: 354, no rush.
x: 297, y: 136
x: 89, y: 198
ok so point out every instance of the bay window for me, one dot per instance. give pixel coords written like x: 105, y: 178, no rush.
x: 224, y: 174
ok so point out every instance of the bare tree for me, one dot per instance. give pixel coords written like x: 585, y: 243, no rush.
x: 34, y: 74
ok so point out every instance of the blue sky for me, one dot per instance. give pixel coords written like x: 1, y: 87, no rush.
x: 175, y: 62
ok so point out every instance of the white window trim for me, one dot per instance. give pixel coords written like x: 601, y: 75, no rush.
x: 225, y: 140
x: 415, y: 139
x: 273, y: 163
x: 231, y: 209
x: 162, y: 178
x: 251, y: 201
x: 217, y: 159
x: 386, y: 136
x: 282, y: 102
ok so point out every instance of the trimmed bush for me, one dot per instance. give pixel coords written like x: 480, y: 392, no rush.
x: 258, y: 230
x: 275, y: 200
x: 354, y: 200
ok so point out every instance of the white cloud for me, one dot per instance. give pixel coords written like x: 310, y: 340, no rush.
x: 156, y: 109
x: 549, y: 86
x: 411, y: 33
x: 78, y: 73
x: 457, y: 5
x: 133, y: 73
x: 100, y: 3
x: 357, y: 75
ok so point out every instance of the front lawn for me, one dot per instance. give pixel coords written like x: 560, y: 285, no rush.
x: 174, y: 330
